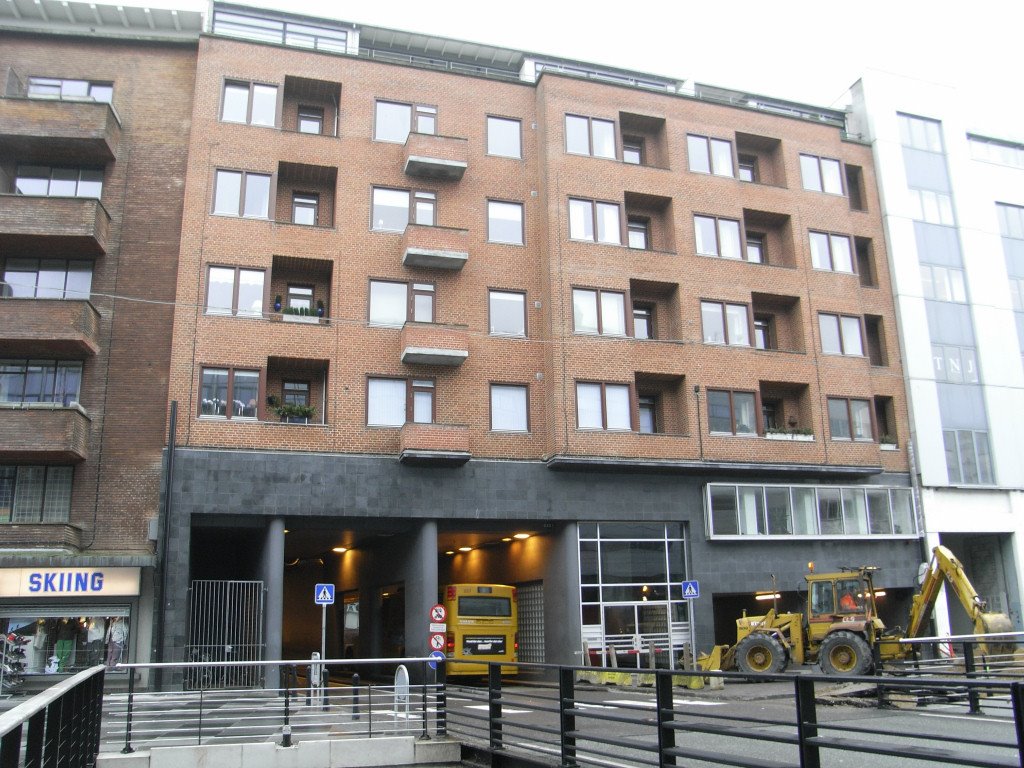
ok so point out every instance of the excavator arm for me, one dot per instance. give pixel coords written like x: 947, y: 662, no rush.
x: 945, y: 566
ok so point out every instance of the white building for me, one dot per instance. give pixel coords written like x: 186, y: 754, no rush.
x: 953, y: 203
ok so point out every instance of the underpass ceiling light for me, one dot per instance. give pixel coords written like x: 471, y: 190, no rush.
x: 450, y: 552
x: 465, y: 549
x: 521, y: 536
x: 339, y: 549
x: 768, y: 596
x: 507, y: 539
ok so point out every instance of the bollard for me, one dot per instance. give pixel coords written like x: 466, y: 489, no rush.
x: 355, y: 696
x: 973, y: 700
x: 286, y: 730
x: 128, y: 724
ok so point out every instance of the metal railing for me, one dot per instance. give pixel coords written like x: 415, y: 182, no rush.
x: 579, y: 725
x: 63, y: 725
x: 344, y: 707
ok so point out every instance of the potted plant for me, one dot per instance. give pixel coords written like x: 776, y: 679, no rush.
x: 277, y: 303
x: 887, y: 442
x: 289, y: 412
x: 299, y: 315
x: 319, y: 307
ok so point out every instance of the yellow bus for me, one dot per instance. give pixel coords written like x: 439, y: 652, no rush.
x: 483, y: 623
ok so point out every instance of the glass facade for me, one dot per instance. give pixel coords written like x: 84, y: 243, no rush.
x: 64, y: 639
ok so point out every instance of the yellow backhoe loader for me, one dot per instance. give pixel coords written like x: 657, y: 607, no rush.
x: 840, y: 629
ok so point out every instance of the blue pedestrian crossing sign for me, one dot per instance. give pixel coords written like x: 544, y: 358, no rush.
x: 691, y: 590
x: 323, y: 594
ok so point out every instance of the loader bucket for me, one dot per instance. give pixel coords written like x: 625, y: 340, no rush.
x: 992, y: 623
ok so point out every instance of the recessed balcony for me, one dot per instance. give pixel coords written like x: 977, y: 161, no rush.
x: 434, y: 344
x: 41, y: 225
x: 436, y: 157
x: 74, y: 132
x: 48, y: 327
x: 41, y: 432
x: 439, y: 445
x: 435, y: 247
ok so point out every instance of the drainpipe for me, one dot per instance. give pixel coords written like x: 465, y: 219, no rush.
x: 159, y: 644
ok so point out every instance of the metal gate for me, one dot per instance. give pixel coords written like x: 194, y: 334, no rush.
x: 531, y: 621
x: 225, y: 624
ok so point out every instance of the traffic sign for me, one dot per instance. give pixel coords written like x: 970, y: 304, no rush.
x: 435, y: 627
x: 691, y: 590
x: 437, y: 642
x: 323, y: 594
x: 438, y: 613
x: 435, y: 656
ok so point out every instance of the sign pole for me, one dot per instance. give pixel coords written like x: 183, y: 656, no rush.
x: 323, y: 653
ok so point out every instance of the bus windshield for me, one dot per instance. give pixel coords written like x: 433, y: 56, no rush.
x: 477, y: 605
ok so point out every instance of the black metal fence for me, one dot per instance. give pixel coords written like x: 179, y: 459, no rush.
x: 58, y: 727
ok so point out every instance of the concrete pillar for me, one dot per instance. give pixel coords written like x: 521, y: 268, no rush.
x: 420, y: 588
x: 272, y: 573
x: 563, y: 631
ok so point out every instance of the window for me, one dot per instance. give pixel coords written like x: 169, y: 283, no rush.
x: 305, y: 208
x: 235, y: 291
x: 228, y: 393
x: 394, y: 121
x: 831, y: 252
x: 920, y: 133
x: 240, y: 193
x: 56, y: 88
x: 389, y: 401
x: 507, y: 312
x: 295, y: 392
x: 311, y: 120
x: 40, y: 381
x: 995, y: 151
x: 600, y: 312
x: 967, y: 457
x: 31, y: 494
x: 755, y: 249
x: 639, y: 232
x: 44, y: 181
x: 943, y: 283
x: 504, y: 137
x: 840, y: 335
x: 589, y: 136
x: 300, y: 297
x: 643, y: 321
x: 504, y: 222
x: 958, y: 365
x: 632, y: 150
x: 47, y: 279
x: 393, y: 209
x: 717, y: 237
x: 712, y: 156
x: 821, y: 174
x: 587, y: 217
x: 509, y: 409
x: 849, y: 419
x: 747, y: 168
x: 931, y: 207
x: 764, y: 332
x: 393, y: 303
x: 647, y: 408
x: 809, y: 510
x: 267, y: 30
x: 603, y: 406
x: 725, y: 323
x: 250, y: 103
x: 732, y: 413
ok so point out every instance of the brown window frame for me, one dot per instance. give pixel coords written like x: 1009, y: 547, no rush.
x: 413, y: 196
x: 821, y: 176
x: 758, y: 426
x: 598, y: 292
x: 416, y: 110
x: 522, y: 221
x: 759, y: 239
x: 301, y: 200
x: 639, y: 224
x: 766, y: 323
x: 645, y: 308
x: 650, y: 402
x: 503, y: 118
x: 634, y: 144
x: 604, y: 404
x: 869, y: 402
x: 851, y: 241
x: 490, y: 406
x: 594, y: 219
x: 251, y: 84
x: 709, y: 155
x: 413, y: 288
x: 718, y: 236
x: 842, y: 339
x: 236, y: 284
x: 271, y: 194
x: 490, y: 324
x: 231, y: 370
x: 310, y: 112
x: 413, y: 384
x: 590, y: 136
x: 749, y: 163
x: 723, y: 305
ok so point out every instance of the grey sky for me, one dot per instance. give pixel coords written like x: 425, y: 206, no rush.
x: 802, y: 50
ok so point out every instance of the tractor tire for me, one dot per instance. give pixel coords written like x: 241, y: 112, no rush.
x: 844, y: 653
x: 760, y: 653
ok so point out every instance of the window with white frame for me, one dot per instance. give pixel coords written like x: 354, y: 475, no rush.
x: 47, y: 279
x: 509, y: 408
x: 504, y: 137
x: 594, y: 221
x: 809, y: 510
x: 725, y: 323
x: 599, y: 312
x: 943, y: 283
x: 831, y: 252
x: 717, y: 237
x: 821, y: 174
x: 708, y: 155
x: 840, y: 334
x: 241, y: 193
x: 589, y: 136
x: 251, y: 103
x: 35, y: 494
x: 603, y: 406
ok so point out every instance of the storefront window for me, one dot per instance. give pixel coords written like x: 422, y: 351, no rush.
x: 64, y: 641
